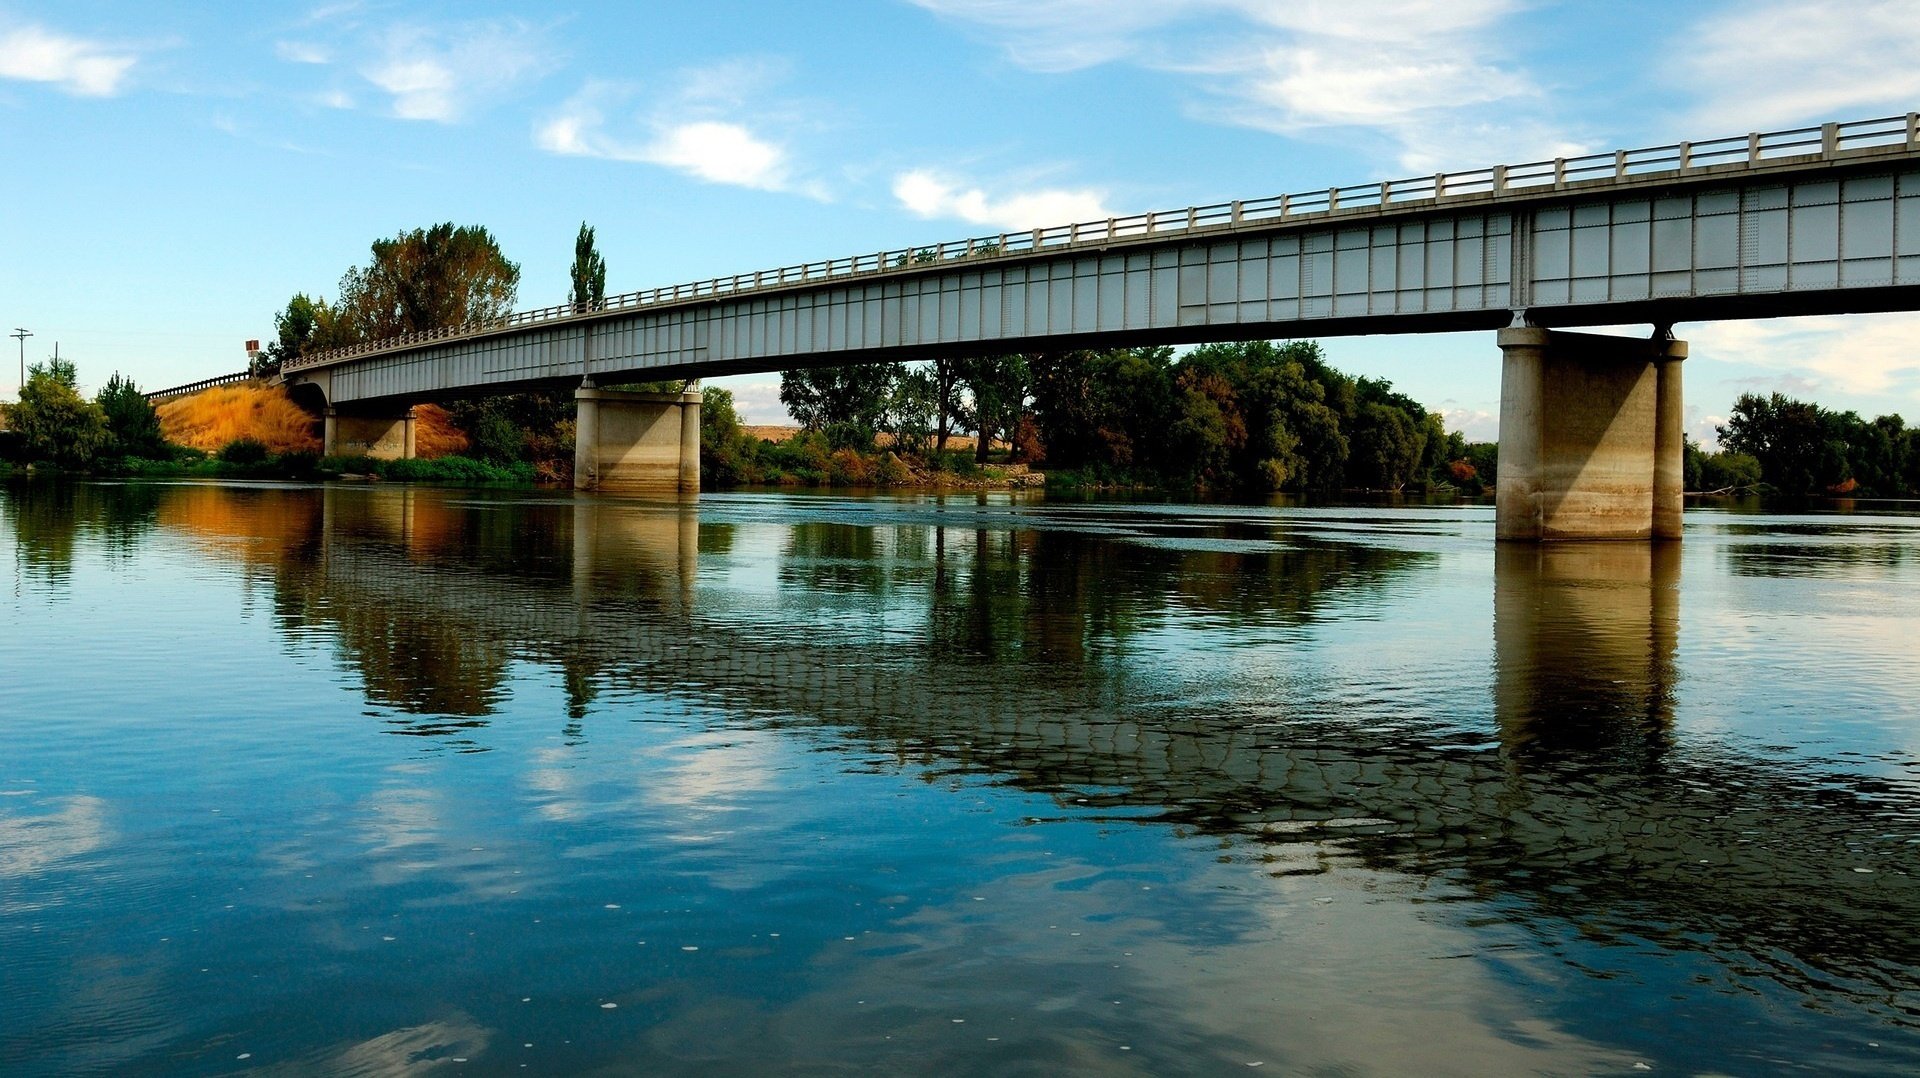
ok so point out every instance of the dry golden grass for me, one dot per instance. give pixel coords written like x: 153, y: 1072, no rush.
x: 434, y: 434
x: 212, y: 418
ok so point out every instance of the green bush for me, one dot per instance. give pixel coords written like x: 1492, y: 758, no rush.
x: 436, y: 470
x: 244, y: 451
x: 56, y: 424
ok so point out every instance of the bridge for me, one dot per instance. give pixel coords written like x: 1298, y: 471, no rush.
x: 1818, y: 220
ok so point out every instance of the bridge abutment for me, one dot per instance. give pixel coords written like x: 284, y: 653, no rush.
x: 380, y: 435
x: 1592, y: 435
x: 639, y: 442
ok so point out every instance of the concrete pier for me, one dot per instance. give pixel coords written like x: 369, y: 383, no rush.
x: 1591, y: 437
x: 639, y: 442
x: 381, y: 435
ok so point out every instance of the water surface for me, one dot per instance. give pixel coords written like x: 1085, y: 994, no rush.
x: 377, y: 780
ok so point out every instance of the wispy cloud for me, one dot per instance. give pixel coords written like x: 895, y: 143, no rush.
x: 79, y: 66
x: 694, y: 129
x: 302, y: 52
x: 1431, y: 78
x: 1780, y: 62
x: 1856, y: 354
x: 926, y: 193
x: 442, y: 74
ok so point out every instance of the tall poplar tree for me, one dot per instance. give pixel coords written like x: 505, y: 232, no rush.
x: 589, y: 289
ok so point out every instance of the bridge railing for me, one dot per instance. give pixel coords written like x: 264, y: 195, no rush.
x: 204, y: 383
x: 1558, y: 173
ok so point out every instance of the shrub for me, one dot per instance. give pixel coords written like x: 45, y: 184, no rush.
x: 243, y: 451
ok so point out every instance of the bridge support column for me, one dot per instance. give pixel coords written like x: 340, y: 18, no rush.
x: 639, y: 442
x: 1591, y: 437
x: 387, y: 435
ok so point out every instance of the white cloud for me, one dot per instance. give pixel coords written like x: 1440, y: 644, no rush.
x: 1770, y: 64
x: 444, y: 74
x: 756, y: 399
x: 76, y: 65
x: 929, y: 194
x: 1474, y: 424
x: 302, y: 52
x: 1867, y: 355
x: 721, y: 153
x: 690, y: 132
x: 1430, y: 77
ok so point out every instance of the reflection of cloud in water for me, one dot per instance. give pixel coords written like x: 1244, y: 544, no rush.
x: 712, y: 772
x: 1324, y: 976
x: 33, y: 843
x: 448, y: 1043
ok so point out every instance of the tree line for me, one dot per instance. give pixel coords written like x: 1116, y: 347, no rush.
x: 1798, y: 447
x: 1245, y: 417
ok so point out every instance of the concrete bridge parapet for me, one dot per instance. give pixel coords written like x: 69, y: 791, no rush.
x: 1592, y: 434
x: 637, y: 442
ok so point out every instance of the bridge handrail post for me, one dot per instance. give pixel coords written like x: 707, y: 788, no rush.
x: 1439, y: 184
x: 1386, y: 192
x: 1286, y: 205
x: 1236, y: 213
x: 1110, y: 232
x: 1499, y: 178
x: 1193, y: 217
x: 1913, y: 128
x: 1686, y: 156
x: 1559, y: 173
x: 1829, y: 139
x: 1333, y: 199
x: 1619, y: 164
x: 1753, y: 148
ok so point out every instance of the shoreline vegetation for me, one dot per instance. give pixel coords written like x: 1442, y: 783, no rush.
x: 1230, y: 420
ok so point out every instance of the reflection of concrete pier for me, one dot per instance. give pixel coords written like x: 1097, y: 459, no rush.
x: 1584, y: 642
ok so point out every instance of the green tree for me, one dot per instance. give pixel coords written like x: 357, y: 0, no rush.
x: 1791, y: 440
x: 852, y: 397
x: 912, y: 405
x: 306, y: 324
x: 54, y: 422
x: 133, y: 429
x: 588, y: 290
x: 1387, y: 447
x: 996, y: 398
x: 430, y: 278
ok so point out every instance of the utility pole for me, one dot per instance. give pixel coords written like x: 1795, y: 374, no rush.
x: 21, y: 335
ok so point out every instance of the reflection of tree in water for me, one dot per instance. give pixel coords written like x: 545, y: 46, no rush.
x: 1024, y: 664
x: 49, y: 517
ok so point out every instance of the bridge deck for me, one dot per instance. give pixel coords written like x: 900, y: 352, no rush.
x: 1807, y: 221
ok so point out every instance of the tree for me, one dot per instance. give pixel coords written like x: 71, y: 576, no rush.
x: 54, y: 422
x: 1387, y: 447
x: 441, y: 277
x: 910, y: 410
x: 996, y: 398
x: 1790, y: 440
x: 852, y: 397
x: 307, y: 324
x: 589, y: 276
x: 133, y: 429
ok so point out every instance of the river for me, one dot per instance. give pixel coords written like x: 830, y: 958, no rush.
x: 381, y: 780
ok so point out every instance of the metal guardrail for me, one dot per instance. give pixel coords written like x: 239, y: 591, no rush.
x: 204, y: 383
x: 1560, y: 173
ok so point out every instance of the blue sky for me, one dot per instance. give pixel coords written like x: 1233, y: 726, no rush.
x: 173, y: 173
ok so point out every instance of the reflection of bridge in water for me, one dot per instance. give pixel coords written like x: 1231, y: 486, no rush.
x: 1024, y: 654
